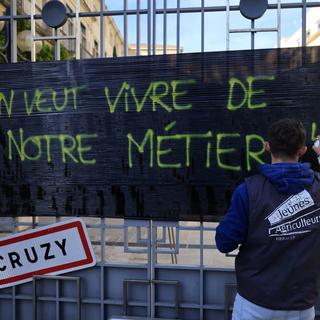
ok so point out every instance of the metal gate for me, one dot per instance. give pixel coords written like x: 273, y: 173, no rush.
x: 145, y: 268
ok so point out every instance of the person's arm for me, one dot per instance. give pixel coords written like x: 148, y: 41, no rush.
x: 317, y: 151
x: 232, y: 229
x: 311, y: 156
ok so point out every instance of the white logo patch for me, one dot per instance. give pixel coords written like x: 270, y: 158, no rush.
x: 291, y: 206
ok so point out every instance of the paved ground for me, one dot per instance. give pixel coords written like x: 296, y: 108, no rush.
x: 189, y: 250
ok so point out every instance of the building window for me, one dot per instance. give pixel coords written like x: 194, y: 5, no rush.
x: 83, y: 53
x: 70, y: 32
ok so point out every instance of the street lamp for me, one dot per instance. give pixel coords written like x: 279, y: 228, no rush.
x: 24, y: 42
x: 2, y: 24
x: 253, y: 9
x: 54, y: 14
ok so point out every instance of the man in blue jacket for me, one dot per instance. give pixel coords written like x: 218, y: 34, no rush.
x: 275, y: 218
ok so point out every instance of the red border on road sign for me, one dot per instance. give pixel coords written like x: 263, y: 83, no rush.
x: 74, y: 224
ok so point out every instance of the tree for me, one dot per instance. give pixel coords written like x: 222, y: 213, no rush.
x: 47, y: 53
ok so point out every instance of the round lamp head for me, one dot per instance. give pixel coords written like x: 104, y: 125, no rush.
x: 2, y: 24
x: 54, y: 14
x: 253, y: 9
x: 24, y: 41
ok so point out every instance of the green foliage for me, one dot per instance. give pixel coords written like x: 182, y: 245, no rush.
x: 2, y: 39
x: 23, y: 25
x: 47, y: 53
x: 3, y: 43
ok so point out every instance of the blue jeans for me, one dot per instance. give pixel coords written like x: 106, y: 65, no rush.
x: 246, y: 310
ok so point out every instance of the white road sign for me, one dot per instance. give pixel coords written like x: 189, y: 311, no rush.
x: 54, y: 249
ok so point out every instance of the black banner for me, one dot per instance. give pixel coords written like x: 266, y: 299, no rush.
x: 164, y: 137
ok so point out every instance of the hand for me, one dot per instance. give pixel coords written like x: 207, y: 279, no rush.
x: 316, y: 150
x: 317, y: 147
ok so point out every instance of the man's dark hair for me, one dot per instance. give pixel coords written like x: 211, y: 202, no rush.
x: 286, y: 137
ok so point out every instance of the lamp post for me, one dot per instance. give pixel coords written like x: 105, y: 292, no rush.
x: 55, y: 15
x: 253, y: 9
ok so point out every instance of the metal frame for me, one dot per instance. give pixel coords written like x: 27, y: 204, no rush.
x: 149, y: 245
x: 149, y: 283
x: 153, y: 12
x: 55, y: 34
x: 230, y: 289
x: 150, y: 248
x: 150, y: 271
x: 57, y: 298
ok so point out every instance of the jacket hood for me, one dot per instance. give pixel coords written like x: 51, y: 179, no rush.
x: 288, y: 178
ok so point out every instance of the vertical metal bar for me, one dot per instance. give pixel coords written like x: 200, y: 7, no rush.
x: 252, y: 34
x: 125, y: 297
x: 102, y: 292
x: 138, y: 28
x: 279, y: 24
x: 56, y: 45
x: 149, y: 27
x: 228, y: 25
x: 304, y: 23
x: 79, y: 299
x: 178, y: 26
x: 13, y: 32
x: 33, y: 222
x: 14, y: 225
x: 155, y: 261
x: 125, y: 238
x: 176, y: 243
x: 57, y: 300
x: 177, y: 291
x: 102, y: 35
x: 202, y: 25
x: 165, y: 22
x: 201, y: 270
x: 102, y: 253
x: 150, y: 266
x: 125, y: 27
x: 138, y: 234
x: 226, y: 303
x: 14, y: 305
x: 152, y: 270
x: 34, y: 299
x: 102, y: 239
x: 33, y: 31
x: 171, y: 244
x: 77, y: 30
x: 154, y: 28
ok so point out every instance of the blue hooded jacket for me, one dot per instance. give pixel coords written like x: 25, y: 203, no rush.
x: 287, y: 178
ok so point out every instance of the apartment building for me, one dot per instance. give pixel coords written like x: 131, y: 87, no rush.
x: 89, y: 32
